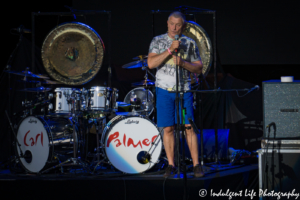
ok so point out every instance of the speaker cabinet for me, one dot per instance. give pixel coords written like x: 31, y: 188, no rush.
x: 281, y: 105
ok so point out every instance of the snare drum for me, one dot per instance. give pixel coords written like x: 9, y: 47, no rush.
x: 45, y: 142
x: 127, y: 139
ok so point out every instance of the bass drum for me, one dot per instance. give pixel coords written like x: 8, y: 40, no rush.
x: 126, y: 141
x: 45, y: 142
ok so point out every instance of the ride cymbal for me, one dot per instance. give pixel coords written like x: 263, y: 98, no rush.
x: 37, y: 89
x: 27, y: 73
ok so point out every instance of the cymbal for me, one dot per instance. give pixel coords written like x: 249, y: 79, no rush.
x: 49, y: 82
x: 73, y: 53
x: 28, y: 74
x: 38, y: 89
x: 140, y: 57
x: 143, y: 82
x: 136, y: 64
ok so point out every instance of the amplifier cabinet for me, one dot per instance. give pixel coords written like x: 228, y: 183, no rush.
x: 281, y: 105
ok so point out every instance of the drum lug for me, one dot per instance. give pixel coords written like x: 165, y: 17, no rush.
x: 59, y: 95
x: 50, y: 96
x: 50, y: 106
x: 52, y: 127
x: 59, y: 105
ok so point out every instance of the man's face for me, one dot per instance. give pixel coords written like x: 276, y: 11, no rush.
x: 175, y: 26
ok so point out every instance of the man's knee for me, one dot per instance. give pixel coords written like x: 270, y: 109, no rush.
x: 189, y: 129
x: 169, y: 130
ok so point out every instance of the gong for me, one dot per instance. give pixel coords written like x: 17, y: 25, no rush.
x: 197, y: 33
x: 72, y: 53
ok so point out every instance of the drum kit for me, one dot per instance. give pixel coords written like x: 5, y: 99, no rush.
x: 72, y: 55
x: 58, y: 138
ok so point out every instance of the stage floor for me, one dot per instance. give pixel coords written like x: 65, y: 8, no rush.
x: 123, y: 186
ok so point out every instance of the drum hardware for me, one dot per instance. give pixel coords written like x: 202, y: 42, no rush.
x: 100, y: 125
x: 73, y: 161
x: 15, y: 136
x: 144, y: 157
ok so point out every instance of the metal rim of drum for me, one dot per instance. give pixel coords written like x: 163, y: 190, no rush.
x: 68, y: 71
x: 199, y: 35
x: 115, y: 121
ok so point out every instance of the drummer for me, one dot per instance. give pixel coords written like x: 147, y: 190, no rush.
x: 162, y: 56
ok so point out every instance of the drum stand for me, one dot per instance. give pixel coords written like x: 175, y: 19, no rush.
x: 146, y: 87
x: 100, y: 125
x: 74, y: 161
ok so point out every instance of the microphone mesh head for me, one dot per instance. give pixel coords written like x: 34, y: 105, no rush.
x: 176, y: 37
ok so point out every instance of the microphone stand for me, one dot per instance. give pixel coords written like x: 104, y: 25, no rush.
x: 180, y: 127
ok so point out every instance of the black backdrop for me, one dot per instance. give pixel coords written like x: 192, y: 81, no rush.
x: 256, y: 41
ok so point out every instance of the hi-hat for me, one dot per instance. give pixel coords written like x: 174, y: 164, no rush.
x: 143, y: 82
x: 37, y: 89
x: 28, y: 74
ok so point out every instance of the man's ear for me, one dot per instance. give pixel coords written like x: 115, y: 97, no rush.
x: 184, y: 25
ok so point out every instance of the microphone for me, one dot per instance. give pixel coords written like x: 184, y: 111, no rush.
x: 21, y: 29
x: 176, y: 38
x: 146, y: 158
x: 271, y: 124
x: 253, y: 89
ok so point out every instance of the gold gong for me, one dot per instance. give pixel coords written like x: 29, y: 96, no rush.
x: 72, y: 53
x: 197, y: 33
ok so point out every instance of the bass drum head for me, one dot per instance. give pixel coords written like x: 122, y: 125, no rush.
x: 34, y: 141
x: 127, y: 139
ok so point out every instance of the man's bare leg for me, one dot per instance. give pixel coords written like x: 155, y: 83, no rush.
x: 169, y: 143
x: 192, y: 142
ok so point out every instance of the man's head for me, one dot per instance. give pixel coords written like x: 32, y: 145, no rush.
x: 176, y: 24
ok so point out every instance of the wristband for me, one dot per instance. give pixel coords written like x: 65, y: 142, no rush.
x: 169, y: 51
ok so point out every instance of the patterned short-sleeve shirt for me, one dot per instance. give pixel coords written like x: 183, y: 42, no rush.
x: 165, y: 75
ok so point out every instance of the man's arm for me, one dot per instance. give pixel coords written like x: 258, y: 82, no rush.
x: 194, y: 67
x: 154, y: 59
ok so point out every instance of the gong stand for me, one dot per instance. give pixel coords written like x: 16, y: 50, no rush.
x: 73, y: 13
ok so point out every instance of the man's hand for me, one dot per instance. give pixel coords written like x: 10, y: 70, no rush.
x: 175, y: 45
x: 195, y: 67
x: 178, y: 61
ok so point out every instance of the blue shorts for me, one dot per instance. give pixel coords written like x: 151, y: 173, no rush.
x: 166, y: 107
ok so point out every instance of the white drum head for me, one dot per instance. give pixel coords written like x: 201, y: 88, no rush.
x: 127, y: 139
x: 34, y: 142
